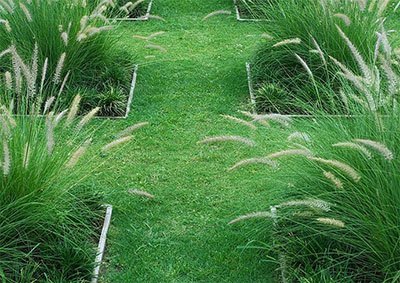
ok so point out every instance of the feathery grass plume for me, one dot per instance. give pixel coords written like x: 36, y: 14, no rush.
x: 6, y: 25
x: 6, y: 158
x: 59, y: 117
x: 59, y: 68
x: 9, y: 117
x: 27, y: 154
x: 299, y: 136
x: 115, y: 143
x: 216, y: 13
x: 8, y: 80
x: 357, y: 82
x: 95, y: 30
x: 311, y: 203
x: 279, y: 118
x: 261, y: 214
x: 393, y: 78
x: 287, y: 41
x: 240, y: 121
x: 128, y: 131
x: 156, y: 18
x: 382, y: 7
x: 26, y: 12
x: 73, y: 110
x: 64, y: 82
x: 377, y: 146
x: 6, y: 6
x: 291, y: 152
x: 48, y: 104
x: 239, y: 139
x: 19, y: 64
x: 44, y: 73
x: 5, y: 126
x: 83, y: 23
x: 257, y: 160
x: 140, y: 37
x: 362, y: 4
x: 125, y: 7
x: 35, y: 62
x: 78, y: 154
x: 254, y: 116
x: 50, y: 142
x: 155, y: 46
x: 346, y: 20
x: 377, y: 45
x: 318, y: 48
x: 387, y: 48
x: 136, y: 4
x: 89, y: 116
x: 153, y: 35
x: 344, y: 98
x: 333, y: 179
x: 331, y: 221
x: 372, y: 5
x: 345, y: 168
x: 266, y: 35
x: 140, y: 193
x: 354, y: 146
x: 64, y: 37
x: 367, y: 73
x: 305, y: 66
x: 4, y: 52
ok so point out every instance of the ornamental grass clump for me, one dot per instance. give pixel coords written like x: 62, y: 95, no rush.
x: 295, y: 62
x: 50, y: 215
x: 71, y: 38
x: 332, y: 212
x: 126, y: 9
x: 252, y: 9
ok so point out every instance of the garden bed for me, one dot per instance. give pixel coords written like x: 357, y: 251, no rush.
x: 254, y: 100
x: 143, y: 17
x: 243, y: 14
x: 102, y: 243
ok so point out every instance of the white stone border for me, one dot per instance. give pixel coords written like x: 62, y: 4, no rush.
x: 142, y: 18
x: 102, y: 243
x: 131, y: 92
x: 239, y: 17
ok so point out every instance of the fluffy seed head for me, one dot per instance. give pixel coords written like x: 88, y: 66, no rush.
x: 354, y: 146
x: 345, y: 168
x: 377, y: 146
x: 115, y: 143
x: 239, y: 139
x: 260, y: 160
x: 261, y: 214
x: 128, y: 131
x: 140, y: 193
x: 333, y: 179
x: 312, y: 203
x: 287, y: 42
x: 331, y: 222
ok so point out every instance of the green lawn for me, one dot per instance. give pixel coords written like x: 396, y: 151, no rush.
x: 183, y: 236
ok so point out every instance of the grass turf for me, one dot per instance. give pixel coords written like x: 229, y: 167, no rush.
x: 183, y: 236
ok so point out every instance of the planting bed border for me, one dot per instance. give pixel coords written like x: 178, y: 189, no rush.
x: 130, y: 95
x: 145, y: 17
x: 253, y: 100
x: 102, y: 243
x: 239, y: 17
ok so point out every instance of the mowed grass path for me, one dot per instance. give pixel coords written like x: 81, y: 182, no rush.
x: 182, y: 235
